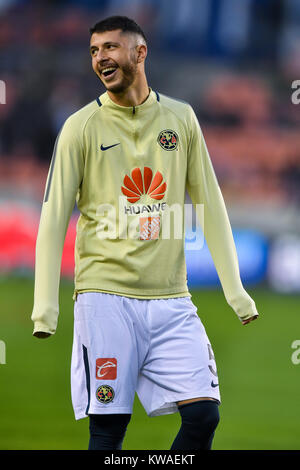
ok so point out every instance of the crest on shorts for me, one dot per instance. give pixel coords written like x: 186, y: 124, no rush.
x: 105, y: 394
x: 168, y: 139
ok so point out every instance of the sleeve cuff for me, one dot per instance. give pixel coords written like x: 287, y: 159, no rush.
x: 42, y: 327
x: 244, y: 306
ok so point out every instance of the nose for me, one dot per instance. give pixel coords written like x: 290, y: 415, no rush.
x: 101, y: 56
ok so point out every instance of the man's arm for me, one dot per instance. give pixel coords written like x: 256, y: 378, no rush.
x: 203, y: 189
x: 64, y: 178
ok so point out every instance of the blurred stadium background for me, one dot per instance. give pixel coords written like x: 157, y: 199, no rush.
x: 235, y: 62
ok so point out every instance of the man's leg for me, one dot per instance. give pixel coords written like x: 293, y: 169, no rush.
x: 104, y: 349
x: 107, y: 431
x: 199, y: 419
x: 180, y: 364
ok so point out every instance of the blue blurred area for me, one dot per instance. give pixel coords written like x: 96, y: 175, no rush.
x: 252, y: 250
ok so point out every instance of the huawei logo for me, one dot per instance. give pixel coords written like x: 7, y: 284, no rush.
x: 143, y: 183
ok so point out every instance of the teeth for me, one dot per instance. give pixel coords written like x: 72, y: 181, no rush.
x: 109, y: 69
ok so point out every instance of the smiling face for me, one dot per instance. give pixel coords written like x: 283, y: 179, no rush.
x: 115, y: 59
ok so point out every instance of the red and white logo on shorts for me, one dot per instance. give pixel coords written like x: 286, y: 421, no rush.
x: 106, y: 368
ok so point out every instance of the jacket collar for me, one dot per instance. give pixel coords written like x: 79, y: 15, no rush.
x: 106, y: 101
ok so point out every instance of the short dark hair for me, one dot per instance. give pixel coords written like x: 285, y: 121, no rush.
x: 118, y: 22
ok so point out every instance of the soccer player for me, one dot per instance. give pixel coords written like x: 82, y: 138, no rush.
x: 127, y: 158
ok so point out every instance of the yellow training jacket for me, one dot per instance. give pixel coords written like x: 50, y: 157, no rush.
x: 128, y: 168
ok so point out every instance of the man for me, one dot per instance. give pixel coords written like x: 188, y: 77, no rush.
x: 129, y: 156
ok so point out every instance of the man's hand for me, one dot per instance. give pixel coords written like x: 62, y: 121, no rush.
x: 41, y: 334
x: 244, y: 322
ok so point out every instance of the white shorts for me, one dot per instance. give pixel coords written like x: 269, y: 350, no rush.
x: 157, y: 348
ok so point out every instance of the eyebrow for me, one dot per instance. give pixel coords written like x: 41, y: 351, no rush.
x: 93, y: 46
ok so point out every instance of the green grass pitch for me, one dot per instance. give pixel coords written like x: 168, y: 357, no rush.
x: 259, y: 383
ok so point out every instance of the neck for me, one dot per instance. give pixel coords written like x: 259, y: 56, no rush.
x: 132, y: 96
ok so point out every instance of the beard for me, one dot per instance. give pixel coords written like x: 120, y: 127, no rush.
x: 129, y: 72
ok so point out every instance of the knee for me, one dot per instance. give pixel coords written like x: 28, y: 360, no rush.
x: 107, y: 431
x: 110, y: 424
x: 200, y: 418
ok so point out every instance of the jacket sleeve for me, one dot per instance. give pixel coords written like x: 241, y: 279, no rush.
x: 204, y: 190
x: 63, y: 181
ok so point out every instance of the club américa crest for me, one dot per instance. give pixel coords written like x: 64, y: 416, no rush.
x: 105, y: 394
x: 168, y: 139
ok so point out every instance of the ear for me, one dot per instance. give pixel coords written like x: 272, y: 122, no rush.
x: 141, y: 52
